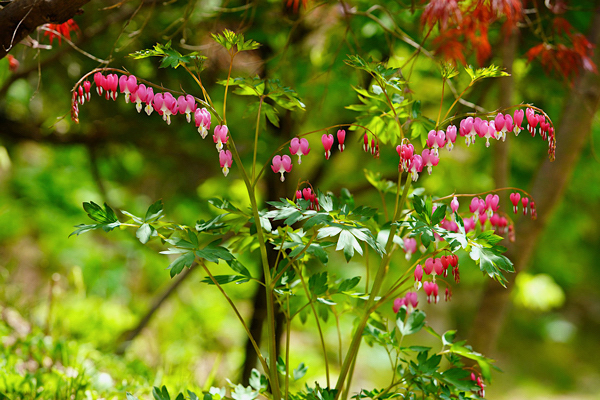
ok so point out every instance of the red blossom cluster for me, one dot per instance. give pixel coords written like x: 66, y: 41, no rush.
x: 570, y: 53
x: 470, y: 129
x: 410, y: 301
x: 479, y: 382
x: 466, y: 23
x: 436, y: 267
x: 308, y: 194
x: 373, y: 148
x: 165, y: 104
x: 463, y: 25
x: 327, y: 140
x: 60, y: 30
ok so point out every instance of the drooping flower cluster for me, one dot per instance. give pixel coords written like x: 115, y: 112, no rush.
x: 308, y: 194
x: 525, y: 202
x: 373, y: 148
x: 299, y: 147
x: 410, y: 162
x: 165, y: 104
x: 471, y: 128
x: 436, y: 266
x: 479, y: 382
x: 327, y: 141
x: 410, y: 301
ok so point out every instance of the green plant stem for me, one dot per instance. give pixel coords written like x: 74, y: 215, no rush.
x: 385, y: 210
x: 293, y: 260
x: 260, y: 103
x: 226, y: 88
x: 269, y: 286
x: 377, y: 283
x: 456, y: 101
x: 237, y: 313
x: 347, y: 389
x: 288, y: 334
x: 322, y: 338
x: 199, y: 82
x: 382, y: 85
x: 437, y: 123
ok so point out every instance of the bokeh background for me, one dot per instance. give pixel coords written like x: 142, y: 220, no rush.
x: 69, y: 304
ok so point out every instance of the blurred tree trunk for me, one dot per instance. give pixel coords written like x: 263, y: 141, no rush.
x: 547, y: 189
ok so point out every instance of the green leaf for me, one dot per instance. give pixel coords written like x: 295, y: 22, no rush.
x: 155, y: 212
x: 318, y: 251
x: 327, y: 302
x: 96, y: 213
x: 280, y: 366
x: 418, y: 205
x: 170, y: 57
x: 161, y: 394
x: 348, y: 284
x: 135, y: 219
x: 299, y: 371
x: 225, y: 279
x: 106, y: 218
x: 239, y: 268
x: 348, y: 243
x: 230, y: 39
x: 449, y: 71
x: 493, y: 71
x: 212, y: 225
x: 439, y: 214
x: 258, y: 381
x: 213, y: 253
x: 490, y: 237
x: 415, y: 321
x: 448, y: 338
x: 185, y: 260
x: 459, y: 378
x: 317, y: 284
x: 491, y: 262
x: 193, y: 238
x: 144, y: 233
x: 485, y: 363
x: 381, y: 184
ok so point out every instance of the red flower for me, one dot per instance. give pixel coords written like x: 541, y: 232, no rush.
x: 64, y: 29
x: 296, y: 4
x: 13, y: 63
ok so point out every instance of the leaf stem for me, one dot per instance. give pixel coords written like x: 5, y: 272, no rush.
x: 456, y: 100
x: 322, y: 338
x: 377, y: 283
x: 437, y: 123
x: 237, y: 313
x: 260, y: 103
x: 232, y: 55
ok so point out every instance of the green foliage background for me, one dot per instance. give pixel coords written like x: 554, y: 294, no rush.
x: 76, y: 296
